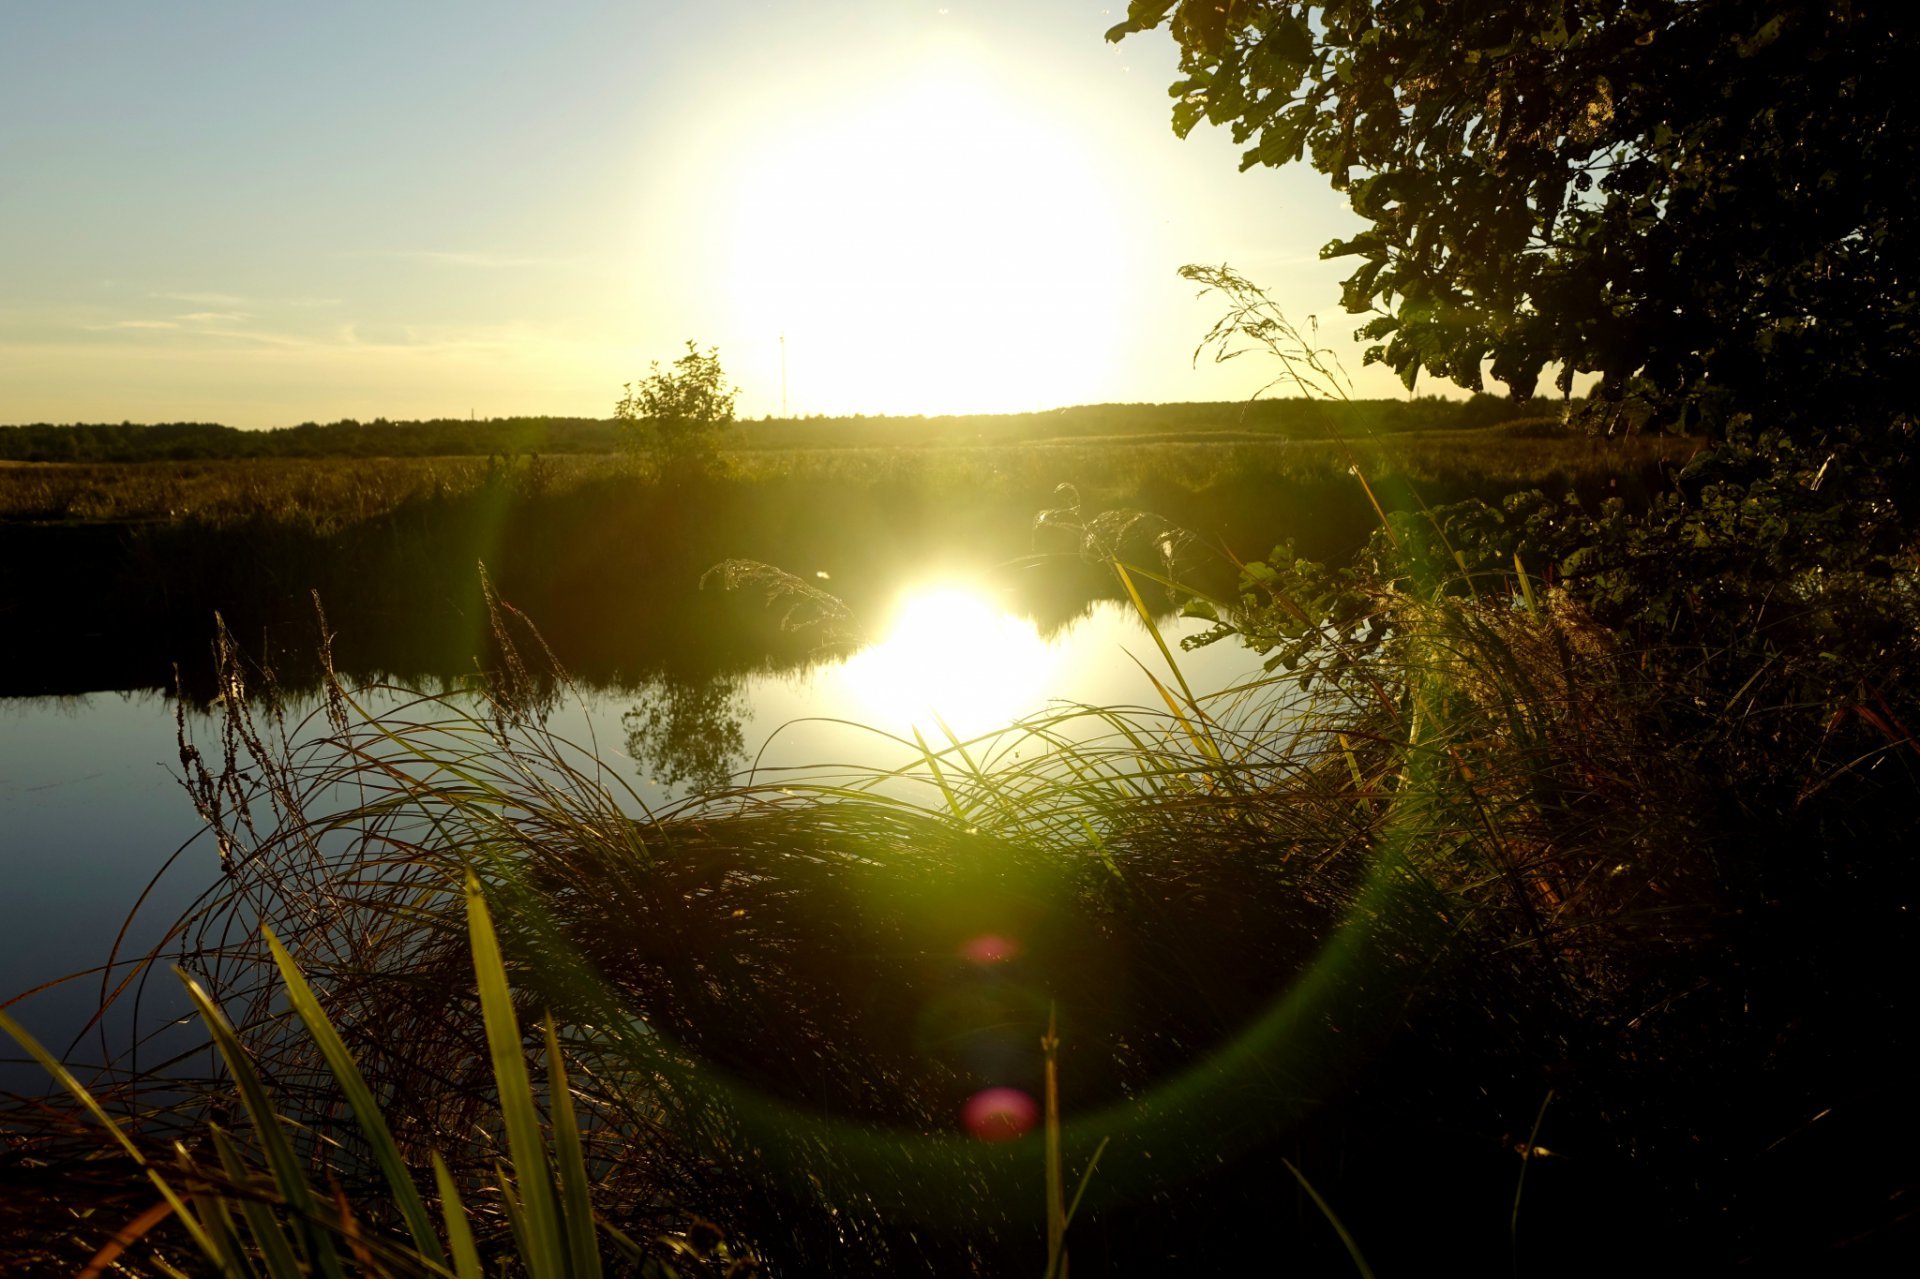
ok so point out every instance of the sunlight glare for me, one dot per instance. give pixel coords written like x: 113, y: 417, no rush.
x: 951, y: 653
x: 933, y: 244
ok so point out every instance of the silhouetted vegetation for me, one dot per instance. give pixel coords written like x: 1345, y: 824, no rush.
x: 111, y: 576
x: 673, y: 418
x: 1710, y: 204
x: 511, y: 437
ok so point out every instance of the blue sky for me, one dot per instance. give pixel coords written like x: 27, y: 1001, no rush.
x: 263, y: 213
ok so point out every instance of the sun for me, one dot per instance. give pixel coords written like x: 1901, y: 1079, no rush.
x: 952, y: 657
x: 936, y: 243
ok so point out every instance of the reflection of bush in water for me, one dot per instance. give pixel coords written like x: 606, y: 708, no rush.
x: 688, y: 731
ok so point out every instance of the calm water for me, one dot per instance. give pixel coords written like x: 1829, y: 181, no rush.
x: 91, y: 808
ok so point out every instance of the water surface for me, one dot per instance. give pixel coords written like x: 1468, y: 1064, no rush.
x: 93, y: 811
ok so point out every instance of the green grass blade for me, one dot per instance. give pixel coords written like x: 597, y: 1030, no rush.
x: 65, y: 1078
x: 188, y: 1221
x: 1086, y: 1178
x: 940, y: 780
x: 289, y: 1176
x: 570, y: 1163
x: 1153, y: 629
x: 1520, y: 1184
x: 217, y: 1222
x: 466, y: 1257
x: 373, y: 1125
x: 268, y: 1234
x: 516, y: 1213
x: 545, y: 1252
x: 1526, y: 587
x: 1333, y: 1219
x: 1200, y: 742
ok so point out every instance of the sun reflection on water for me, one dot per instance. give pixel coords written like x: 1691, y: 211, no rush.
x: 953, y: 656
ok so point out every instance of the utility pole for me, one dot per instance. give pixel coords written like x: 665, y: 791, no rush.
x: 783, y: 376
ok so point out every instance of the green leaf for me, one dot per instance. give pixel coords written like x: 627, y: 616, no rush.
x: 268, y: 1234
x: 65, y: 1078
x: 545, y: 1252
x: 373, y: 1124
x: 1326, y: 1210
x: 466, y: 1257
x: 571, y: 1164
x: 289, y: 1174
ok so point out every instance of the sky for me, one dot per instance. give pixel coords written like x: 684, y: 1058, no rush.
x: 267, y: 212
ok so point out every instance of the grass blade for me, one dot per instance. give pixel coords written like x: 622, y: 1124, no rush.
x: 373, y: 1124
x: 1520, y: 1185
x: 1333, y: 1219
x: 289, y: 1176
x: 940, y: 780
x: 1526, y: 587
x: 268, y: 1234
x: 466, y: 1257
x: 1140, y: 607
x: 124, y: 1238
x: 65, y: 1078
x: 571, y: 1165
x: 545, y: 1251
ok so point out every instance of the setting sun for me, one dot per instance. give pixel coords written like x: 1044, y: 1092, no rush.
x: 938, y: 239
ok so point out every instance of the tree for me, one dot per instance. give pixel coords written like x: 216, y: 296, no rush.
x: 676, y: 414
x: 1713, y: 204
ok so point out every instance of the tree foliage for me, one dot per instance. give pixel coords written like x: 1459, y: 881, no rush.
x: 677, y: 414
x: 1710, y: 203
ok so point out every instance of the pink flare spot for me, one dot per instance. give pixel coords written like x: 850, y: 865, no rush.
x: 989, y: 948
x: 999, y: 1114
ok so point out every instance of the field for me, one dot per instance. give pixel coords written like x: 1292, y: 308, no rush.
x: 333, y: 492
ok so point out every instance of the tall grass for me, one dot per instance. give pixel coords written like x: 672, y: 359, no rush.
x: 261, y: 1211
x: 1201, y: 886
x: 1477, y: 850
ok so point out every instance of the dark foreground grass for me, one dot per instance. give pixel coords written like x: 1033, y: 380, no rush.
x: 1366, y: 931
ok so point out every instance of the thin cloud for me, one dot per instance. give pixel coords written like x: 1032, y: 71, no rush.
x: 205, y: 332
x: 234, y: 302
x: 204, y: 299
x: 480, y: 259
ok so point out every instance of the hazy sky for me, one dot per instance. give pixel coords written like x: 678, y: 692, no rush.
x: 262, y: 212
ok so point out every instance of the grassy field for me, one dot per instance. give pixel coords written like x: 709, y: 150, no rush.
x: 331, y: 493
x: 1296, y: 418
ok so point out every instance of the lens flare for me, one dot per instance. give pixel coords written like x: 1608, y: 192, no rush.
x: 989, y: 949
x: 999, y: 1114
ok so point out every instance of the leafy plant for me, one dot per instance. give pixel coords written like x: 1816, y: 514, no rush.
x: 675, y: 415
x: 244, y: 1218
x: 1708, y: 204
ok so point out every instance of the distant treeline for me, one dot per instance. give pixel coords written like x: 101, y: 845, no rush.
x: 453, y: 437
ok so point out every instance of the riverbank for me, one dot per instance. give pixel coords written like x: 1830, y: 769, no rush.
x: 110, y: 575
